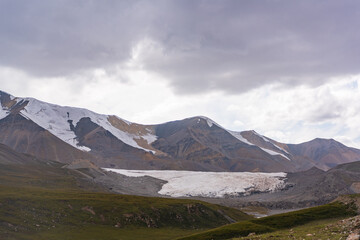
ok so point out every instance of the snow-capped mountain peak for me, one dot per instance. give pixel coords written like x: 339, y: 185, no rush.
x: 60, y: 121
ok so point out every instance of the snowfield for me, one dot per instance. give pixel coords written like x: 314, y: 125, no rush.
x: 210, y: 184
x: 54, y: 118
x: 271, y: 152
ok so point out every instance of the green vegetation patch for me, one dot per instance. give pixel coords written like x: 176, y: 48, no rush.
x: 36, y: 211
x: 276, y: 222
x: 230, y: 231
x: 286, y: 220
x: 45, y: 201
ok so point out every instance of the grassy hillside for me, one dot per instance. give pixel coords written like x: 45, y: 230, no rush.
x: 46, y: 175
x: 44, y: 201
x: 276, y: 222
x: 330, y: 229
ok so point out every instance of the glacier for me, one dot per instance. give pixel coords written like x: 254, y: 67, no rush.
x: 210, y: 184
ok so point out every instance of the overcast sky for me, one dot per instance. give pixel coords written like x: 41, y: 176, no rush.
x: 288, y: 69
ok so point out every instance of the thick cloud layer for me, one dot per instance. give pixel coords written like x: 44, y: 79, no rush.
x: 197, y: 46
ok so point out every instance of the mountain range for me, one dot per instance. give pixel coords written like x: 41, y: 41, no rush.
x: 53, y: 181
x: 66, y: 134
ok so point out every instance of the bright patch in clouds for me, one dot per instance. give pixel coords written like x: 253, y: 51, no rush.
x: 302, y: 113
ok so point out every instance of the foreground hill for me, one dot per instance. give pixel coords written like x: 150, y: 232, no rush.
x: 27, y: 213
x: 332, y: 211
x: 66, y: 134
x: 47, y: 200
x: 329, y: 229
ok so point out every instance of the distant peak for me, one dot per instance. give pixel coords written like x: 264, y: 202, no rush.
x: 323, y: 140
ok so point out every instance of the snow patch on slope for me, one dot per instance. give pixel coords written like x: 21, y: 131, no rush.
x: 267, y: 140
x: 150, y: 138
x: 280, y: 148
x: 240, y: 137
x: 209, y: 122
x: 210, y: 184
x: 271, y: 152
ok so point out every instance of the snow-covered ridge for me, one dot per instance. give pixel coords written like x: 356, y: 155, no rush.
x: 54, y: 118
x: 211, y: 184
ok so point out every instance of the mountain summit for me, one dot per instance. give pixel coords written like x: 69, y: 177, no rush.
x: 65, y: 134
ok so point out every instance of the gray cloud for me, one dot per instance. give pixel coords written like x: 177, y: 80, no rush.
x: 54, y: 38
x: 232, y: 46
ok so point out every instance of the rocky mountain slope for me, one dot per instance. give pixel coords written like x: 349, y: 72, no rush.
x: 326, y: 153
x: 66, y: 134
